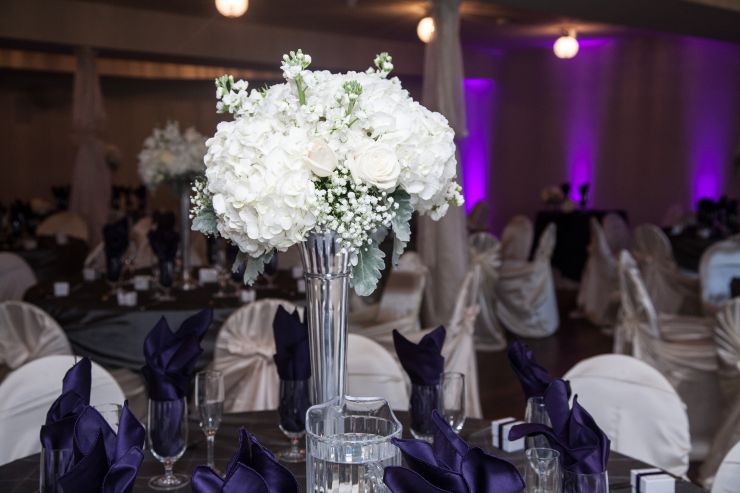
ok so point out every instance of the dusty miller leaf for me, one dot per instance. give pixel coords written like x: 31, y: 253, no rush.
x: 253, y: 267
x: 366, y: 273
x: 401, y: 223
x: 205, y: 221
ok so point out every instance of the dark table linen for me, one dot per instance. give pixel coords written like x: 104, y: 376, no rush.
x: 688, y: 249
x: 51, y: 262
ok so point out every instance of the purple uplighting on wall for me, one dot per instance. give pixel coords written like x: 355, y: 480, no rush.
x: 475, y: 149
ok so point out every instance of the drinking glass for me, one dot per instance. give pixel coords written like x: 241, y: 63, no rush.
x: 166, y: 278
x: 585, y: 483
x: 537, y: 413
x: 294, y: 402
x: 111, y: 413
x: 453, y: 399
x: 167, y: 438
x: 424, y: 399
x: 542, y: 471
x: 54, y: 463
x: 209, y: 404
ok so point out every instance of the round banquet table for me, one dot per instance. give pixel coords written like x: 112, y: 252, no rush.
x: 22, y: 475
x: 113, y: 335
x: 52, y: 262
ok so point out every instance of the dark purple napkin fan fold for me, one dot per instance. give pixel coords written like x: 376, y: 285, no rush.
x: 450, y: 466
x: 533, y: 378
x: 291, y: 346
x: 583, y: 447
x: 115, y: 238
x: 164, y: 244
x: 423, y: 362
x: 253, y: 469
x: 103, y: 460
x: 171, y: 356
x: 58, y: 431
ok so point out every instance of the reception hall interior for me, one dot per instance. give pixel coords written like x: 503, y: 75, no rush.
x: 372, y: 246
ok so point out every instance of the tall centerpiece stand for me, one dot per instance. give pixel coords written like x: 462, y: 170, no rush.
x: 182, y: 188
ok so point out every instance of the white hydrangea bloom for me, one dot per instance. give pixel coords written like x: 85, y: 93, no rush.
x: 168, y: 154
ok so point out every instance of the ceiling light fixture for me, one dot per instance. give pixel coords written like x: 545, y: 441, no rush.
x: 232, y: 8
x: 566, y: 46
x: 425, y: 29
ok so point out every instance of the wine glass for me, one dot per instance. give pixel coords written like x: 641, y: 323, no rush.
x: 209, y: 403
x: 167, y: 438
x: 537, y: 413
x: 294, y: 402
x: 542, y: 471
x: 453, y: 399
x: 166, y: 278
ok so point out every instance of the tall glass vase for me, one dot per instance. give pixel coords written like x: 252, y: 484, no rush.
x: 326, y: 269
x: 183, y: 188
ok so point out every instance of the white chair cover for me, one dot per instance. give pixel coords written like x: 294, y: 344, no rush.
x: 680, y: 347
x: 517, y: 238
x: 139, y: 249
x: 27, y: 393
x: 598, y: 293
x: 15, y: 277
x: 526, y: 300
x: 67, y: 223
x: 637, y: 408
x: 485, y: 255
x: 671, y: 290
x: 728, y: 475
x: 244, y: 349
x: 373, y: 372
x: 617, y: 233
x: 28, y: 333
x: 96, y: 258
x: 719, y: 264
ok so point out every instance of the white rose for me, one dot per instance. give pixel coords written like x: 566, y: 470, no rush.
x: 377, y: 165
x: 320, y: 159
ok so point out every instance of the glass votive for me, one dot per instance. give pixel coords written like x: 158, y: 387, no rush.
x: 537, y: 413
x: 542, y: 471
x: 585, y: 483
x: 53, y: 464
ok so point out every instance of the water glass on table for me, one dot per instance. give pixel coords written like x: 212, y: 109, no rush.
x: 209, y: 404
x: 585, y: 483
x: 54, y: 463
x: 537, y: 413
x: 542, y: 471
x: 294, y: 402
x: 424, y: 400
x: 167, y: 438
x: 452, y: 400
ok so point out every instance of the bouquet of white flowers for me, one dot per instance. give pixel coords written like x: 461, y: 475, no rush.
x: 169, y: 154
x: 351, y: 153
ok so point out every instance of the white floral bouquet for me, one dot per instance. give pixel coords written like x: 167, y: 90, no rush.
x: 351, y: 153
x: 169, y: 154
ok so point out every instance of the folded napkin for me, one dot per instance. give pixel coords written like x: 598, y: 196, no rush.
x: 583, y: 447
x: 164, y: 243
x: 253, y: 469
x: 533, y: 377
x: 291, y: 346
x: 60, y: 419
x: 115, y: 239
x: 450, y: 466
x: 103, y: 460
x: 423, y: 362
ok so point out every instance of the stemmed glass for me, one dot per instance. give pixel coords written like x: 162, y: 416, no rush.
x: 537, y: 413
x: 453, y: 399
x: 294, y: 402
x: 166, y: 278
x: 167, y: 438
x: 209, y: 403
x: 424, y: 399
x: 542, y: 471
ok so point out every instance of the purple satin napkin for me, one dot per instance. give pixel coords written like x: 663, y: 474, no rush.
x: 533, y: 378
x: 253, y: 469
x: 423, y: 362
x: 291, y: 346
x: 103, y: 460
x: 583, y: 447
x: 58, y: 431
x: 164, y: 243
x: 115, y: 239
x: 450, y: 466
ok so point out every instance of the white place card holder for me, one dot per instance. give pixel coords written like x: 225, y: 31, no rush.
x: 61, y: 239
x: 297, y: 272
x: 61, y: 289
x: 207, y: 275
x: 500, y: 432
x: 652, y: 480
x: 301, y: 285
x: 141, y: 283
x: 89, y: 274
x: 247, y: 295
x: 127, y: 298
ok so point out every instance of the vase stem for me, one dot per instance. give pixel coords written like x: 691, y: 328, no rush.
x: 187, y: 283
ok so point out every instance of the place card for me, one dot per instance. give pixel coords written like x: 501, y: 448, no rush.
x: 500, y: 432
x: 89, y: 274
x: 61, y: 239
x: 207, y: 275
x: 652, y: 480
x: 301, y: 285
x: 141, y: 283
x: 297, y: 272
x: 61, y: 289
x: 247, y: 295
x: 127, y: 298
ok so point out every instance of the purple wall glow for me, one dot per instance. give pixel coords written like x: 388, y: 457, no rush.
x: 475, y: 149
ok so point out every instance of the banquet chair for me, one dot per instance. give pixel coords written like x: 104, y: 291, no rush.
x: 636, y: 407
x: 28, y: 333
x: 96, y: 258
x: 728, y: 475
x: 617, y: 233
x: 719, y: 264
x: 671, y: 290
x: 598, y: 293
x: 525, y: 293
x: 485, y: 255
x: 373, y: 372
x: 681, y: 347
x: 15, y: 277
x: 243, y: 353
x: 28, y: 392
x: 516, y: 240
x: 67, y: 223
x: 139, y: 249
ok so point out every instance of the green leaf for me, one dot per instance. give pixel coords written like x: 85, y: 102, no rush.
x: 401, y: 223
x: 205, y: 221
x: 253, y: 266
x: 366, y: 273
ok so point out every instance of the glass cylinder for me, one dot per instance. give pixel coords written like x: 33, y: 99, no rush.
x: 542, y: 471
x: 585, y: 483
x: 53, y: 464
x: 537, y: 413
x: 186, y: 283
x: 452, y: 400
x: 424, y: 400
x: 294, y: 402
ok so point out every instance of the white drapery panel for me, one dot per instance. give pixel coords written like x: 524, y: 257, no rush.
x: 91, y: 177
x: 485, y: 255
x: 598, y: 294
x: 720, y: 263
x: 15, y: 277
x: 441, y: 243
x: 517, y: 238
x: 244, y: 349
x: 671, y: 290
x: 525, y: 293
x: 637, y: 408
x: 28, y: 333
x: 373, y: 372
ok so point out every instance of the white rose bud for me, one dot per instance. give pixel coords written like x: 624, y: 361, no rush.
x: 377, y: 165
x: 320, y: 159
